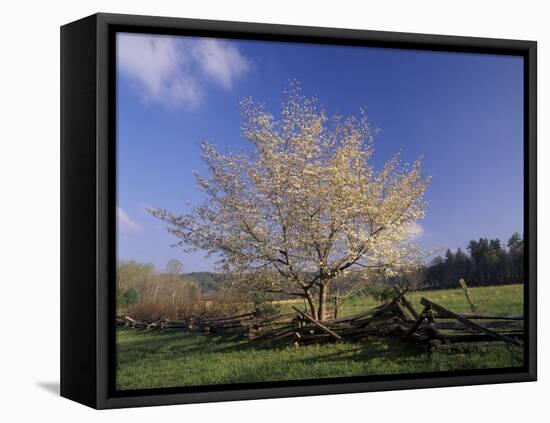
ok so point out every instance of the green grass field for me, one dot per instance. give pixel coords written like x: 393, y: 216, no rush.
x: 147, y: 359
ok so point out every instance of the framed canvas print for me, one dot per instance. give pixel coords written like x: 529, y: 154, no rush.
x: 255, y: 211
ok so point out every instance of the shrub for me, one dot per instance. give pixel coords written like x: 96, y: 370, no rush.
x: 125, y: 298
x: 264, y: 305
x: 379, y: 293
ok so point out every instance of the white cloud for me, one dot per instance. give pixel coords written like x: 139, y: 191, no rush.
x: 125, y: 224
x: 220, y: 60
x: 176, y: 70
x: 416, y: 230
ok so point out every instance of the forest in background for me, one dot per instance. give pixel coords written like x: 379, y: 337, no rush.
x: 486, y: 262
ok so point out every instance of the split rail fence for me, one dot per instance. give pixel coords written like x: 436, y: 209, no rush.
x: 433, y: 327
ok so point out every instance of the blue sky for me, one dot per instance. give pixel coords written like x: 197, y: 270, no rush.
x: 463, y: 113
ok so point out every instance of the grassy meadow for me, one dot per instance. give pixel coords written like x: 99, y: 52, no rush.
x: 147, y: 359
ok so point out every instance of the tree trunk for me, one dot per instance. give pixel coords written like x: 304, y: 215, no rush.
x: 336, y: 304
x: 322, y: 313
x: 311, y: 304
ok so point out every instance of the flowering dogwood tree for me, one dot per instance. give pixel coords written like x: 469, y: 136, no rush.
x: 304, y: 205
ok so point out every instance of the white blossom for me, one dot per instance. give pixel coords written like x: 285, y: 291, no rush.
x: 306, y: 205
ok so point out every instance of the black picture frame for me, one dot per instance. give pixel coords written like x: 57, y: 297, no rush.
x: 88, y: 204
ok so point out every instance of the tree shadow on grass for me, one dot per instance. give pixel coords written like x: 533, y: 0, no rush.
x: 171, y: 343
x: 183, y: 343
x: 379, y: 348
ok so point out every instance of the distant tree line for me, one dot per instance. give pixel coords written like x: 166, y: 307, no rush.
x: 207, y: 282
x: 141, y: 290
x: 485, y: 262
